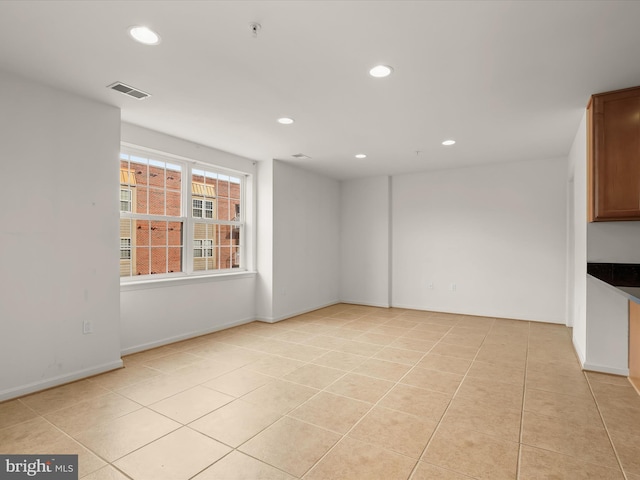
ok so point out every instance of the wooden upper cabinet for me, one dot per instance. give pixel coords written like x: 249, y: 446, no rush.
x: 613, y: 137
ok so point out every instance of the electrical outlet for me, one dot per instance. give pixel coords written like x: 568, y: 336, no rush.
x: 453, y: 287
x: 430, y: 286
x: 87, y: 327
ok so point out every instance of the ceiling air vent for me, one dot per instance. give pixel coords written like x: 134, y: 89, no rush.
x: 301, y: 156
x: 128, y: 90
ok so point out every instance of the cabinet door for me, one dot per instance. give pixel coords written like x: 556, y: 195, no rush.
x: 614, y: 155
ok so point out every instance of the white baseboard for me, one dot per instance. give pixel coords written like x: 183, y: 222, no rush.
x: 604, y: 369
x: 597, y: 368
x: 507, y: 316
x: 366, y: 304
x: 184, y: 336
x: 294, y: 314
x: 579, y: 353
x: 57, y: 381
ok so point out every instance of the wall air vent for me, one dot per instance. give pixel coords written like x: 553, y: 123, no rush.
x: 301, y: 156
x: 128, y: 90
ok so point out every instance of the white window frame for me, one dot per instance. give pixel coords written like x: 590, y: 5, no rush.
x: 188, y: 221
x: 240, y: 223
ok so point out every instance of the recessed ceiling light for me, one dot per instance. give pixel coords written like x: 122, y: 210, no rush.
x: 361, y: 155
x: 448, y: 142
x: 380, y: 71
x: 285, y: 120
x: 144, y: 35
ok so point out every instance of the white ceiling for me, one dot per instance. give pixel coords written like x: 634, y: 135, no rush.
x: 508, y: 80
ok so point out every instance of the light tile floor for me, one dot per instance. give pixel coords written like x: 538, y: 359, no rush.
x: 346, y: 392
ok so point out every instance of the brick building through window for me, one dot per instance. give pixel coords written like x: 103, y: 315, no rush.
x: 155, y: 245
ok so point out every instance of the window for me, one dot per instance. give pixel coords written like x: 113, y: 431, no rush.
x: 125, y: 200
x: 155, y: 225
x: 197, y: 208
x: 125, y: 249
x: 202, y: 248
x: 154, y: 221
x: 217, y: 220
x: 200, y: 206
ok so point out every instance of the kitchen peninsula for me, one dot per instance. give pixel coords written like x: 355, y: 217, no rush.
x: 625, y: 279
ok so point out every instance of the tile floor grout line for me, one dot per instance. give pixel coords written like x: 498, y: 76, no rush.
x: 236, y: 450
x: 90, y: 450
x: 107, y: 391
x: 524, y: 395
x: 26, y: 405
x: 201, y: 433
x: 148, y: 443
x: 584, y: 373
x: 604, y: 424
x: 374, y: 405
x: 373, y: 356
x: 73, y: 382
x: 19, y: 399
x: 439, y: 423
x: 286, y: 414
x: 360, y: 318
x: 118, y: 470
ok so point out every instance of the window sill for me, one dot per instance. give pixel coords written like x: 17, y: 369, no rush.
x: 183, y: 280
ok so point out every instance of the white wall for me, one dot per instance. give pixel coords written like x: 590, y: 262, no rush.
x: 306, y: 222
x: 157, y: 314
x: 497, y: 232
x: 613, y: 242
x: 578, y: 297
x: 163, y: 312
x: 365, y: 243
x: 143, y: 137
x: 58, y: 237
x: 264, y: 254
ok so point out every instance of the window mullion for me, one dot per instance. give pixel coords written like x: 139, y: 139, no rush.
x: 153, y: 218
x: 187, y: 251
x: 237, y: 248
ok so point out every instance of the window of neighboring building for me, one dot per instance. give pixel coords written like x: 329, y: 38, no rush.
x: 208, y: 209
x: 125, y: 200
x: 202, y: 248
x: 201, y: 207
x: 154, y: 220
x: 125, y: 249
x: 197, y: 208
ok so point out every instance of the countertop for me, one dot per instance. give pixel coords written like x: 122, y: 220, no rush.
x: 622, y: 277
x: 633, y: 293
